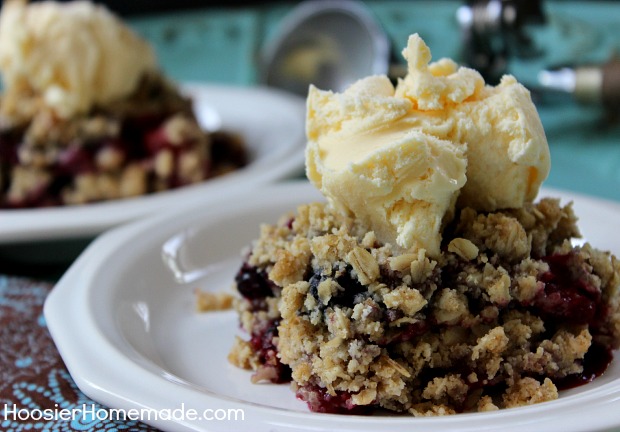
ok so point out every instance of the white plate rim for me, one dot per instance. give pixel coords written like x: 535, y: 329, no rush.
x: 96, y: 372
x: 286, y: 160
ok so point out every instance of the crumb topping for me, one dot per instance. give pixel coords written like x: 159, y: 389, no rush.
x: 147, y: 142
x: 506, y: 313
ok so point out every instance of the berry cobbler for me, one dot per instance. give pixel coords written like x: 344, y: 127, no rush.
x: 508, y: 314
x: 433, y: 280
x: 86, y: 115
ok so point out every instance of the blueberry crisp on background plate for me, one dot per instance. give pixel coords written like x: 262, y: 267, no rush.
x: 103, y: 125
x: 433, y: 281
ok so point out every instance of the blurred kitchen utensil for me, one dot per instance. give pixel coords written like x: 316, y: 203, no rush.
x: 493, y: 31
x: 593, y: 84
x: 328, y: 43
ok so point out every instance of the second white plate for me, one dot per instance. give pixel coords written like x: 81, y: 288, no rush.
x: 271, y: 123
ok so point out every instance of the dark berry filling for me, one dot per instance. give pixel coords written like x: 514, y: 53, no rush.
x: 253, y: 283
x: 75, y: 159
x: 567, y: 297
x: 9, y: 141
x: 141, y: 138
x: 595, y: 362
x: 405, y: 333
x: 262, y: 342
x: 227, y: 149
x: 319, y: 400
x: 352, y: 291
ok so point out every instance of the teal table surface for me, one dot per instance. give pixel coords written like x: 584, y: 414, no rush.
x: 223, y: 45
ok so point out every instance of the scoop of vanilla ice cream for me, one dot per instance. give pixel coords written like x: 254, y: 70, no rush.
x: 370, y: 160
x: 399, y: 158
x: 74, y: 55
x: 507, y: 151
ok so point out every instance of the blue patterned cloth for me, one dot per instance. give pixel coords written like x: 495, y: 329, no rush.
x: 36, y: 391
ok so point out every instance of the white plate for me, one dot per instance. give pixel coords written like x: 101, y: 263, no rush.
x: 272, y: 124
x: 131, y: 339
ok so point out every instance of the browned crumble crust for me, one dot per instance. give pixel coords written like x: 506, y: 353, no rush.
x: 479, y: 328
x: 207, y: 301
x: 147, y: 142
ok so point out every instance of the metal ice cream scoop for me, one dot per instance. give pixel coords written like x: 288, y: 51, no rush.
x: 330, y: 44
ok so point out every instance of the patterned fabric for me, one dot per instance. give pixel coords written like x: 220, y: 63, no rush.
x: 34, y: 382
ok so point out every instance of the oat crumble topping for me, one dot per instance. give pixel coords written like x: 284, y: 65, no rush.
x: 145, y: 143
x: 507, y: 315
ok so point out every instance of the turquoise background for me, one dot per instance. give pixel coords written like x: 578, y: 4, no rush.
x: 223, y: 45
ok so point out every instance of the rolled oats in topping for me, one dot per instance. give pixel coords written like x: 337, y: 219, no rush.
x: 502, y: 318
